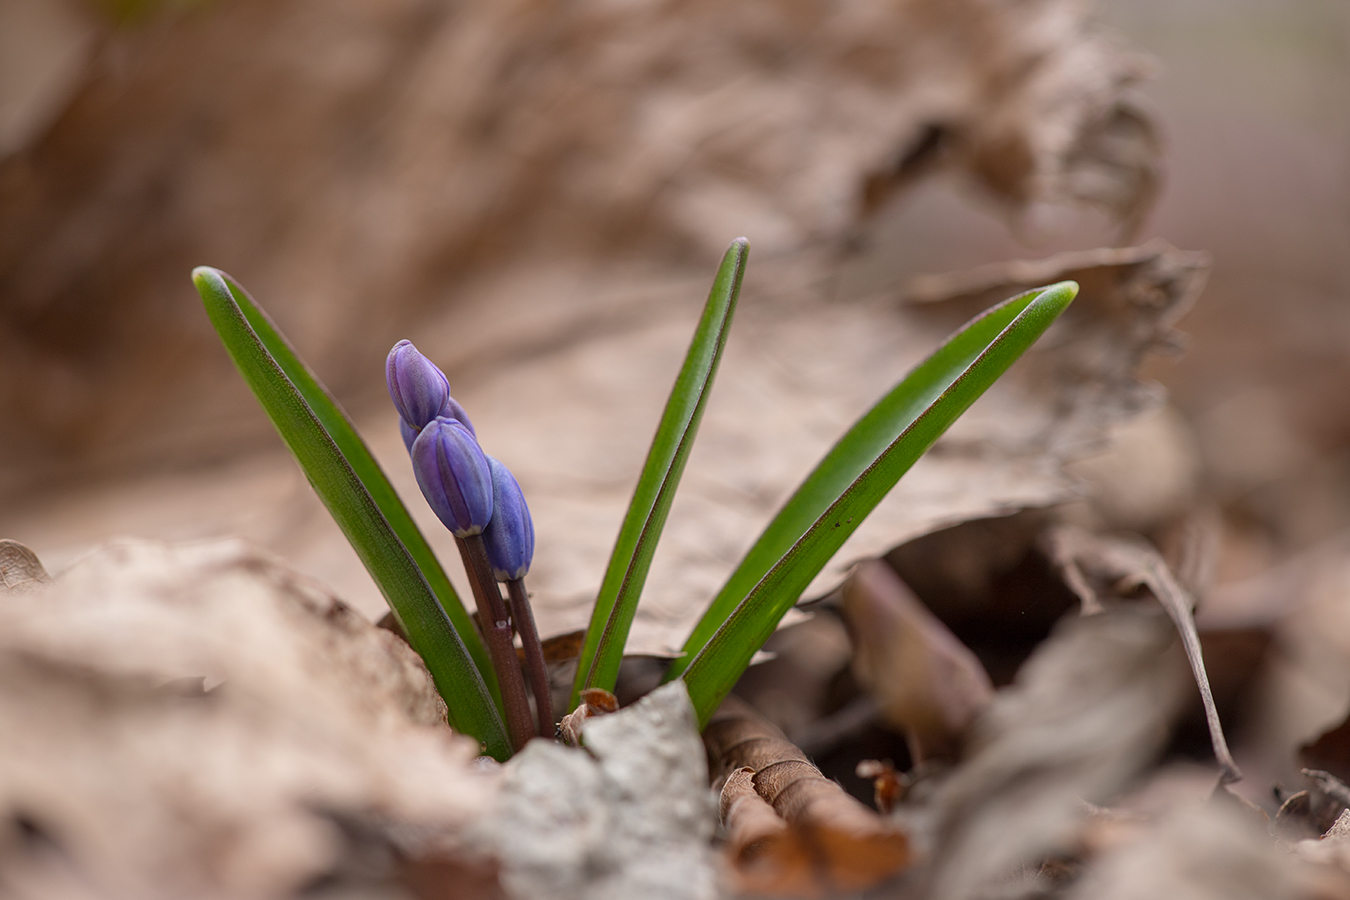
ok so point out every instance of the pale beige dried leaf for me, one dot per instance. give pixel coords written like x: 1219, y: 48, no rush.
x: 199, y: 720
x: 564, y: 364
x: 1206, y: 852
x: 1097, y: 567
x: 20, y: 569
x: 1088, y: 710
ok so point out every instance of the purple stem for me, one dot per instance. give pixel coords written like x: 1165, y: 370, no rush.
x: 495, y: 622
x: 523, y: 617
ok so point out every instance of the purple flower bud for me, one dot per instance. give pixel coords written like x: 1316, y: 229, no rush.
x: 451, y: 410
x: 454, y: 476
x: 419, y: 389
x: 408, y: 433
x: 510, y: 535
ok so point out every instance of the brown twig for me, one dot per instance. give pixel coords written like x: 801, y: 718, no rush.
x: 496, y: 625
x: 523, y: 619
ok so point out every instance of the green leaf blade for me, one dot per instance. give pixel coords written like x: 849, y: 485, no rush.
x: 848, y: 484
x: 626, y: 574
x: 471, y: 707
x: 344, y: 434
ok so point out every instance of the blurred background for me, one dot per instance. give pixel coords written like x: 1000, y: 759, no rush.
x: 504, y: 176
x: 371, y: 160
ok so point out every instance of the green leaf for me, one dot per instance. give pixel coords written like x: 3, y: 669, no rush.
x: 848, y: 484
x: 368, y: 471
x: 471, y: 708
x: 616, y: 604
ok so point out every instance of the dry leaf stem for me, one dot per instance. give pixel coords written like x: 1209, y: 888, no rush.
x: 495, y: 622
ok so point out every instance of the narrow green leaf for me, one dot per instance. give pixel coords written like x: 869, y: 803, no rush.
x: 349, y: 443
x: 847, y: 485
x: 617, y: 601
x: 471, y: 709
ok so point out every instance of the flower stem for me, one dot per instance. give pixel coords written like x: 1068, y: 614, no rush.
x: 496, y: 624
x: 523, y: 617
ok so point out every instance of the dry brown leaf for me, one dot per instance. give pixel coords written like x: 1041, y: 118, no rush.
x: 366, y: 157
x: 200, y: 721
x: 1204, y: 853
x: 1098, y: 567
x: 574, y: 419
x: 570, y: 359
x: 927, y: 682
x: 1089, y: 709
x: 20, y: 569
x: 828, y: 842
x: 594, y: 702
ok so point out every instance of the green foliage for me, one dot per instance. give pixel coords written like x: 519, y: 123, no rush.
x: 848, y: 484
x: 814, y: 523
x: 322, y: 440
x: 617, y: 601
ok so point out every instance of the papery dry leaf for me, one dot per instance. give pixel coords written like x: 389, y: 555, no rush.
x: 594, y: 702
x: 540, y: 376
x: 1087, y: 711
x: 200, y: 721
x: 1098, y: 567
x: 1203, y: 853
x: 20, y: 569
x: 831, y: 842
x: 927, y: 682
x: 441, y: 138
x: 795, y: 375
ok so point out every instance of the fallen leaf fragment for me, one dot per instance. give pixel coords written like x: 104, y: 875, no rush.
x: 888, y: 785
x: 198, y: 720
x: 927, y: 682
x: 805, y: 837
x: 594, y: 702
x: 1087, y: 711
x: 20, y: 569
x: 1202, y: 853
x: 1097, y: 566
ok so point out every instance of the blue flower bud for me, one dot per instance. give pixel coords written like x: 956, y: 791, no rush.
x: 454, y: 476
x: 408, y: 433
x: 451, y: 410
x: 419, y: 389
x: 420, y: 392
x: 510, y: 535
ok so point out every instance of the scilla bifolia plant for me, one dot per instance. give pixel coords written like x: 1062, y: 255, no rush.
x: 476, y: 668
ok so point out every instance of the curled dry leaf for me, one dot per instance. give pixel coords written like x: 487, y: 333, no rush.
x: 798, y: 833
x: 20, y: 569
x: 926, y: 681
x: 594, y: 702
x: 198, y: 720
x: 1088, y: 710
x: 1095, y: 566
